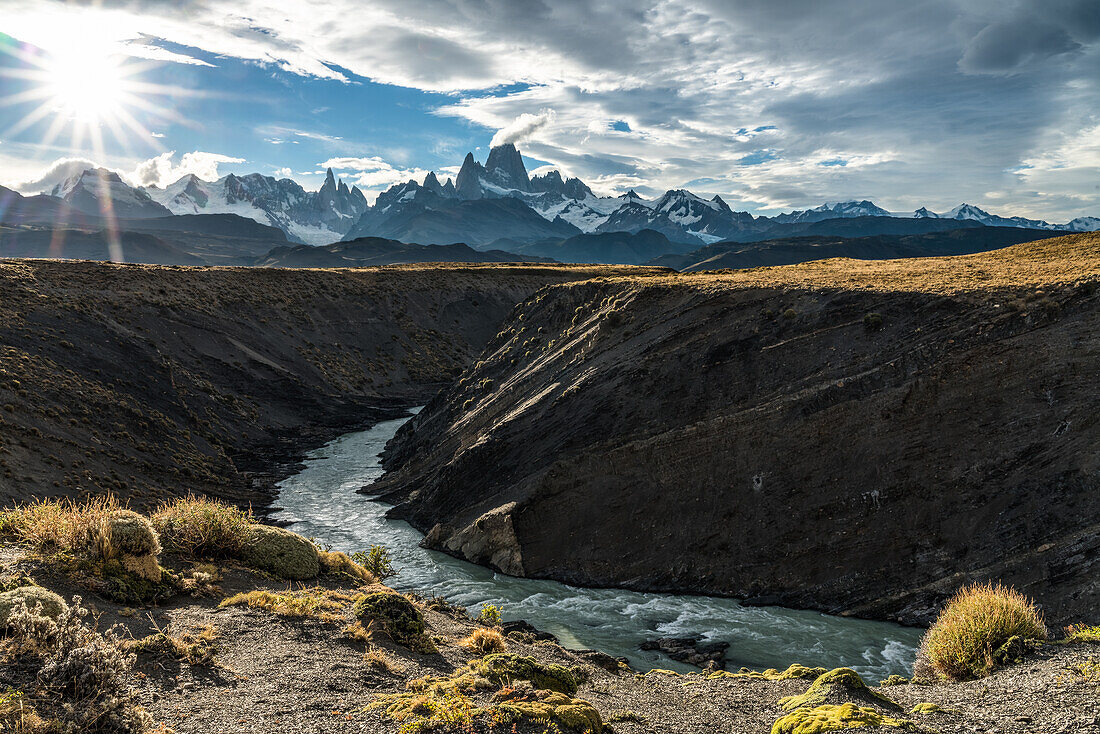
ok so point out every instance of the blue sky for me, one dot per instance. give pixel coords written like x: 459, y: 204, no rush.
x: 774, y: 104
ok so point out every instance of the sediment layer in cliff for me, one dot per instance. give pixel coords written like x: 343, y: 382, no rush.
x: 857, y: 437
x: 146, y: 381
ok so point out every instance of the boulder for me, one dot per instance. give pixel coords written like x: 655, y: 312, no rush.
x: 281, y: 552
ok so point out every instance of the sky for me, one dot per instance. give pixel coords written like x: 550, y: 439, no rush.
x: 773, y: 104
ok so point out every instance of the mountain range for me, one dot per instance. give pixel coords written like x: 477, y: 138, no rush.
x: 498, y: 203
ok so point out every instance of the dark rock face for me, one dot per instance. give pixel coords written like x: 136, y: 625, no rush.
x: 505, y: 167
x: 163, y: 381
x: 691, y: 650
x: 749, y: 435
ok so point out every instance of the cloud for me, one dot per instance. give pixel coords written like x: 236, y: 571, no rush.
x: 283, y: 173
x: 522, y: 128
x: 55, y: 173
x: 161, y: 170
x: 927, y: 103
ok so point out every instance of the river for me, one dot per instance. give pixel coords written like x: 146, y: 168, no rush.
x: 321, y: 502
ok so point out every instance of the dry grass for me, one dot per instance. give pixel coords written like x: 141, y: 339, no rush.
x: 336, y: 563
x: 315, y: 603
x: 195, y: 647
x: 977, y: 621
x: 378, y: 660
x: 202, y: 528
x: 63, y: 526
x: 484, y: 641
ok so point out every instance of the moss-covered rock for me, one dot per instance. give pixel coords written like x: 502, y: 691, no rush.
x: 567, y: 713
x: 280, y: 552
x: 926, y: 708
x: 834, y: 717
x: 52, y: 604
x: 131, y: 534
x: 895, y: 680
x: 791, y: 673
x: 842, y: 685
x: 503, y: 668
x: 397, y: 616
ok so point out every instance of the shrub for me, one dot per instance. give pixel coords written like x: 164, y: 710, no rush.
x: 873, y: 321
x: 489, y: 615
x: 377, y: 562
x: 790, y: 313
x: 203, y: 528
x: 280, y: 552
x: 82, y: 681
x: 484, y: 641
x: 976, y: 622
x: 46, y: 602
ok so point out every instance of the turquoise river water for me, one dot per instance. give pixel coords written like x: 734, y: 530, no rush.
x: 321, y: 502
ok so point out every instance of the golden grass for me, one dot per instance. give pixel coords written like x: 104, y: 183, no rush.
x: 1083, y: 633
x: 977, y: 621
x: 63, y: 525
x: 484, y: 641
x: 201, y: 527
x: 336, y: 563
x: 1069, y: 260
x: 316, y: 603
x: 195, y: 647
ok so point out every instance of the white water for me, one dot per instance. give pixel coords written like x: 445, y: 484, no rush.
x: 321, y: 502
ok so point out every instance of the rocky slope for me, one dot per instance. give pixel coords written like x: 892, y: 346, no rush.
x: 148, y: 381
x: 852, y: 436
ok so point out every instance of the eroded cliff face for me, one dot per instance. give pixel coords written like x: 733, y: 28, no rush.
x: 855, y: 437
x: 149, y: 381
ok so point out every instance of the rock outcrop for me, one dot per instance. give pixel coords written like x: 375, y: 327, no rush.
x: 857, y: 437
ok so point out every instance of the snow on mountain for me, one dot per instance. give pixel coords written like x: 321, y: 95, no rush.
x: 1084, y: 224
x: 98, y: 192
x: 315, y: 218
x: 842, y: 209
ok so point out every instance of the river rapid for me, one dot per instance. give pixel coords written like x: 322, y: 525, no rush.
x: 321, y: 502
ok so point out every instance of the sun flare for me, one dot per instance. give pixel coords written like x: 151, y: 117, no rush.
x: 87, y: 86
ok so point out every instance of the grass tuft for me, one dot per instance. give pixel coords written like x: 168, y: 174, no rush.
x: 484, y: 641
x: 202, y: 528
x: 976, y: 622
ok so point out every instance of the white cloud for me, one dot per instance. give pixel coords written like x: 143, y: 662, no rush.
x: 928, y: 102
x: 522, y: 128
x: 283, y: 173
x: 55, y: 173
x: 161, y: 170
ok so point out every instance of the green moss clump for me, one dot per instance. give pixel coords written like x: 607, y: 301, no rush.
x: 841, y: 685
x: 398, y: 617
x: 895, y: 680
x: 556, y: 708
x: 52, y: 604
x: 280, y: 552
x: 792, y: 672
x: 833, y: 717
x: 503, y: 668
x: 926, y: 708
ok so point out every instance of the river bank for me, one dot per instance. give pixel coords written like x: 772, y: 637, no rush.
x: 320, y: 501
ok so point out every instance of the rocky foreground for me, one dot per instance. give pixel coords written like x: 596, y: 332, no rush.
x: 857, y: 437
x: 149, y: 381
x: 248, y: 652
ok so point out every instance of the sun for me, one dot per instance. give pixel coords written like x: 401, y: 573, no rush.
x: 89, y: 87
x: 93, y: 88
